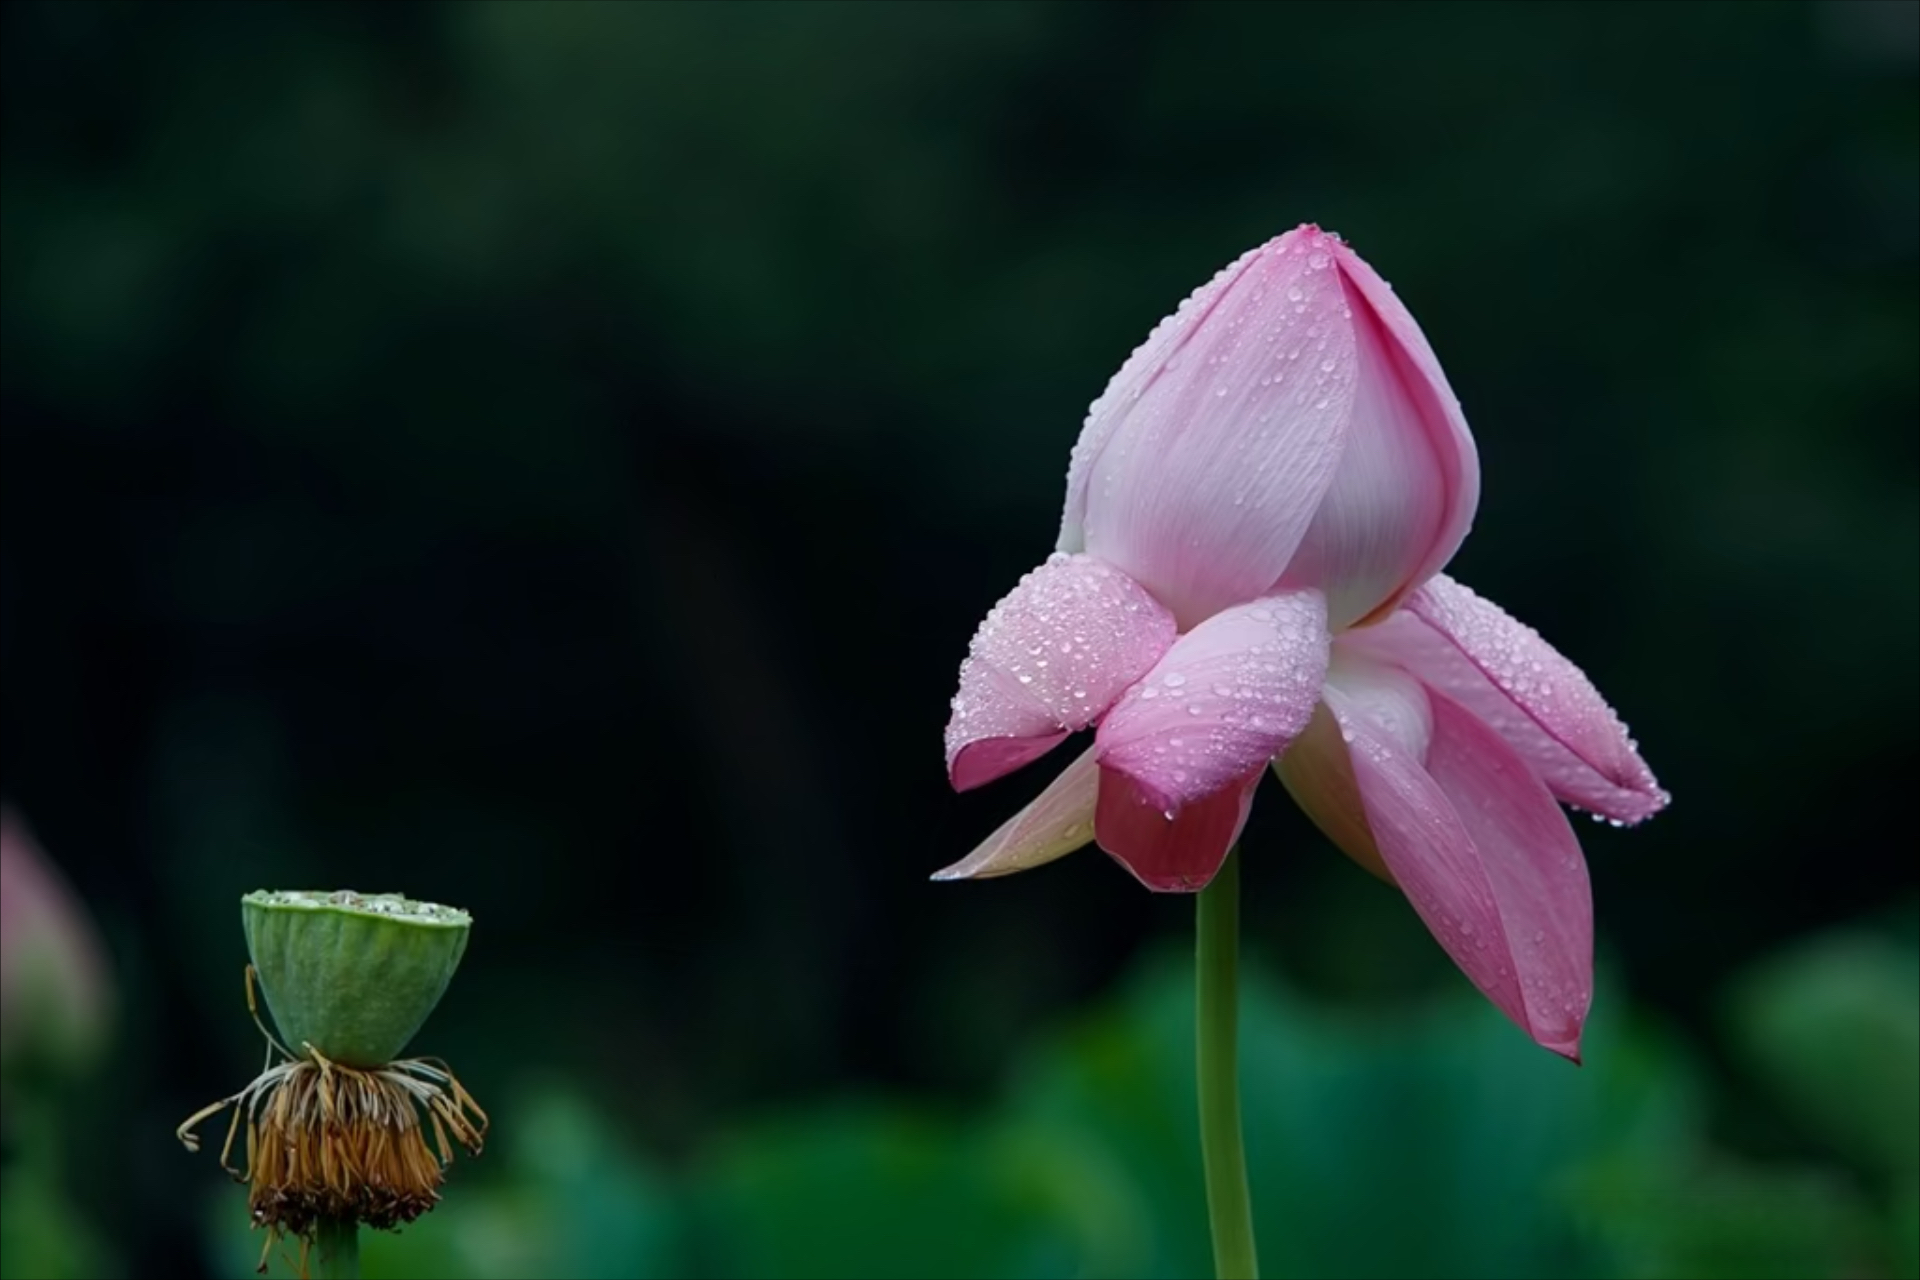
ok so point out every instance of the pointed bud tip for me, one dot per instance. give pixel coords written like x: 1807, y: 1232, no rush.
x: 1309, y: 234
x: 1298, y: 240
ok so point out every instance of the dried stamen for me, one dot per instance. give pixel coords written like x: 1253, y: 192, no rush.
x: 326, y: 1140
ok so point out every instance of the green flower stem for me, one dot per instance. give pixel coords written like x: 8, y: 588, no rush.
x: 1217, y: 966
x: 336, y: 1250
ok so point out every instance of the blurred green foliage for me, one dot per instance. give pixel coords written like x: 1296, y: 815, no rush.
x: 1832, y: 1027
x: 42, y: 1235
x: 1430, y: 1143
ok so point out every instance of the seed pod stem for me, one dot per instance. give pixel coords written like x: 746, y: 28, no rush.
x: 336, y: 1249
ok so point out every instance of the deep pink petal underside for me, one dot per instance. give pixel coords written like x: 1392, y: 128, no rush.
x: 1223, y: 701
x: 980, y: 762
x: 1177, y: 854
x: 1049, y: 659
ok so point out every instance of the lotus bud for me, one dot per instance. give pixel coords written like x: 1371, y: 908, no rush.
x: 56, y: 994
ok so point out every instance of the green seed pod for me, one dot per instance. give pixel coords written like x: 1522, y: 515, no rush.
x: 354, y: 975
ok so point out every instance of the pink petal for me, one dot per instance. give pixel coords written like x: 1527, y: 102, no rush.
x: 1476, y: 843
x: 1543, y: 705
x: 1439, y: 410
x: 1049, y: 659
x: 977, y: 763
x: 1319, y: 776
x: 1108, y: 412
x: 1059, y: 820
x: 1317, y: 769
x: 1223, y: 701
x: 1171, y: 852
x: 1533, y: 864
x: 1201, y: 466
x: 1380, y: 518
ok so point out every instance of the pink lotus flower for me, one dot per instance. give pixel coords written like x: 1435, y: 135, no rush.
x: 1247, y: 573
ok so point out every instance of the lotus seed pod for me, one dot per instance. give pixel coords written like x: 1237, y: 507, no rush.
x: 353, y: 975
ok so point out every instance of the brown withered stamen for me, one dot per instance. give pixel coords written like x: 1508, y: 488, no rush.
x: 325, y: 1140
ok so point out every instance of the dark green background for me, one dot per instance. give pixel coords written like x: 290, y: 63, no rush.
x: 551, y: 457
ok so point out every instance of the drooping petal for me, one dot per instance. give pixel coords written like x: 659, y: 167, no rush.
x: 1533, y: 864
x: 1202, y: 465
x: 1059, y: 820
x: 1050, y: 658
x: 1171, y: 851
x: 1475, y: 842
x: 1438, y: 408
x: 1377, y: 525
x: 1514, y: 681
x: 1223, y: 701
